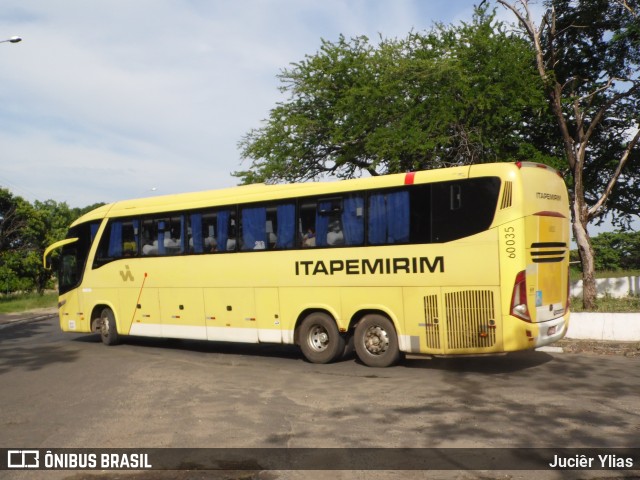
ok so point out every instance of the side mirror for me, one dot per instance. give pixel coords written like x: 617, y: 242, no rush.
x: 46, y: 262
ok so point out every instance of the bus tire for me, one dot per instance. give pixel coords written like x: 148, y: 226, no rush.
x: 108, y: 328
x: 320, y: 340
x: 376, y: 341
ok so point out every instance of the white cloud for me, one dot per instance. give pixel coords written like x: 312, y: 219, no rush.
x: 104, y: 100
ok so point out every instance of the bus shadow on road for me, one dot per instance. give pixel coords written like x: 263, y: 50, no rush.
x: 486, y: 364
x: 206, y: 347
x: 18, y: 351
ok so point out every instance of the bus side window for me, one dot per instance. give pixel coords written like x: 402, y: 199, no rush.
x: 130, y: 231
x: 328, y: 224
x: 149, y: 233
x: 271, y: 227
x: 285, y: 222
x: 253, y: 221
x: 93, y: 230
x: 268, y: 227
x: 202, y: 233
x: 420, y: 214
x: 463, y: 207
x: 162, y: 236
x: 119, y: 240
x: 307, y: 224
x: 333, y: 221
x: 226, y: 224
x: 340, y: 221
x: 352, y: 219
x: 389, y: 218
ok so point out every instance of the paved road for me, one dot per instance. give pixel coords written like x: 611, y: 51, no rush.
x: 67, y: 390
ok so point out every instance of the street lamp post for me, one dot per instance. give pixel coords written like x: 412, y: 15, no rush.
x: 12, y: 40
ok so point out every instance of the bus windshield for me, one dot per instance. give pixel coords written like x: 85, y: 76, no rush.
x: 73, y: 256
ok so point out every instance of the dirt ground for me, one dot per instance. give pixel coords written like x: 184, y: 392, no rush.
x: 600, y: 347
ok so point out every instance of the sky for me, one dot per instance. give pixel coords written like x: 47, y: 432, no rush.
x: 106, y: 100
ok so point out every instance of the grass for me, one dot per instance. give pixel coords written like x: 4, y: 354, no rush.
x: 27, y: 301
x: 609, y: 305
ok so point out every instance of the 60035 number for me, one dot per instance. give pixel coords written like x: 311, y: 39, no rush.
x: 510, y: 242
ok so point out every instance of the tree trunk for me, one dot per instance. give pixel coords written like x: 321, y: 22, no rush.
x: 579, y: 125
x: 585, y: 250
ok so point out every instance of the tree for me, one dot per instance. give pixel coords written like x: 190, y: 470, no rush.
x: 617, y: 251
x: 14, y: 245
x: 587, y: 55
x: 48, y: 224
x: 451, y: 96
x: 25, y: 232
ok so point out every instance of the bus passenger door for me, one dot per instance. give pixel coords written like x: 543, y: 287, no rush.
x: 182, y: 311
x: 268, y: 315
x: 230, y: 315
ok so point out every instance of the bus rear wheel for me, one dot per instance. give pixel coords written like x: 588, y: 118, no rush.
x: 376, y: 341
x: 108, y: 329
x: 320, y: 340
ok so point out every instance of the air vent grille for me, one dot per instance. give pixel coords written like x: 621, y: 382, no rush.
x: 548, y: 252
x: 507, y: 195
x: 470, y: 319
x: 432, y: 321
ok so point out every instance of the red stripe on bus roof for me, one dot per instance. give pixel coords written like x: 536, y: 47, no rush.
x: 409, y: 178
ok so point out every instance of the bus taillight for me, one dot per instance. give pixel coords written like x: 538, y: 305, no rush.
x: 519, y: 307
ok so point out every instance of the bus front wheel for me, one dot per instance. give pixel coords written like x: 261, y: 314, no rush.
x: 108, y: 329
x: 376, y: 341
x: 320, y: 340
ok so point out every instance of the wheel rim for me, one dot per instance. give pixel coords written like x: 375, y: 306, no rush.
x: 376, y: 340
x: 318, y: 338
x: 105, y: 327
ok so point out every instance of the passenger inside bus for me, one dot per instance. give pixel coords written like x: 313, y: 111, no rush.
x: 309, y: 238
x: 335, y: 236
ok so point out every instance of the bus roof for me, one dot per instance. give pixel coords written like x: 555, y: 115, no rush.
x: 267, y: 192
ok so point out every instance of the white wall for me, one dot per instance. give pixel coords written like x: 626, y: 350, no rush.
x: 622, y: 327
x: 613, y: 287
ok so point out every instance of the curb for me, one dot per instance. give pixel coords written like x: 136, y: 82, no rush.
x: 615, y: 327
x: 550, y: 349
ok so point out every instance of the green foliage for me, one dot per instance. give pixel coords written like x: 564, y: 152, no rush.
x: 614, y: 252
x: 454, y: 95
x: 593, y: 55
x: 25, y: 232
x: 617, y: 251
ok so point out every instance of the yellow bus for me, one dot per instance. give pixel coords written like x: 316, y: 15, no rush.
x: 463, y: 260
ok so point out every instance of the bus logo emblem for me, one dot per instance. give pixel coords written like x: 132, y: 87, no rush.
x: 23, y: 459
x: 126, y: 275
